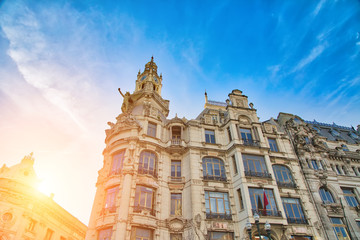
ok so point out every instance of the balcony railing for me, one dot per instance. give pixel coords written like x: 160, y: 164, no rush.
x: 226, y: 216
x: 151, y: 172
x: 250, y: 142
x: 176, y: 179
x: 267, y: 212
x: 286, y: 184
x: 115, y: 172
x: 215, y: 178
x: 142, y: 209
x: 297, y: 220
x: 175, y: 141
x: 258, y: 174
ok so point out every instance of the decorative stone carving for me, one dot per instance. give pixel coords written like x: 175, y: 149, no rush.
x: 176, y: 224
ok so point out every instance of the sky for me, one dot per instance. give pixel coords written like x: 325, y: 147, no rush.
x: 62, y: 62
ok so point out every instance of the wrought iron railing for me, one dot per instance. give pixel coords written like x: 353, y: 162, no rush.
x: 258, y: 174
x: 142, y: 209
x: 215, y: 178
x: 286, y: 184
x: 151, y: 172
x: 267, y: 212
x: 226, y: 216
x: 297, y: 220
x: 250, y: 142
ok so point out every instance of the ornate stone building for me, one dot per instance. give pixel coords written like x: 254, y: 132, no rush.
x: 205, y: 178
x: 25, y: 213
x: 330, y: 162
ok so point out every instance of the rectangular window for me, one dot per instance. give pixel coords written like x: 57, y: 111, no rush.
x: 255, y: 166
x: 256, y: 195
x: 151, y: 129
x: 217, y: 205
x: 221, y: 236
x: 229, y: 134
x: 350, y: 197
x: 314, y: 165
x: 273, y: 145
x: 176, y: 204
x: 176, y: 135
x: 234, y: 164
x: 246, y: 136
x: 293, y: 210
x: 144, y: 198
x: 111, y: 199
x: 209, y: 136
x: 176, y: 171
x: 117, y: 162
x: 301, y: 237
x: 337, y: 169
x: 141, y: 234
x: 240, y: 199
x: 339, y: 228
x: 49, y: 234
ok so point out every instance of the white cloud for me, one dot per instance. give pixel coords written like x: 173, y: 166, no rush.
x: 315, y: 52
x: 318, y: 7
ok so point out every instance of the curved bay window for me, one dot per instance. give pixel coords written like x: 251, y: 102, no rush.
x: 294, y: 211
x: 117, y: 162
x: 283, y: 176
x: 217, y: 205
x: 144, y: 199
x: 213, y: 169
x: 326, y: 196
x: 147, y: 163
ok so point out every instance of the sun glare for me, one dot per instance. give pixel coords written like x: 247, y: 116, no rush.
x: 45, y: 187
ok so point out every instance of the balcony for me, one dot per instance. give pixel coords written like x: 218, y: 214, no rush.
x: 250, y: 142
x: 286, y: 184
x: 257, y: 174
x: 144, y: 210
x: 225, y: 216
x: 151, y: 172
x: 267, y: 212
x: 215, y: 178
x: 172, y: 179
x: 297, y: 220
x: 176, y: 141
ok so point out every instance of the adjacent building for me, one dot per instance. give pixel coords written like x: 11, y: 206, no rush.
x: 329, y: 156
x: 27, y: 214
x: 207, y: 178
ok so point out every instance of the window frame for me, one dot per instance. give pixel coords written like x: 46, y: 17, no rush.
x: 151, y: 130
x: 175, y: 170
x: 227, y: 235
x: 110, y: 199
x: 105, y: 231
x: 326, y: 196
x: 351, y: 197
x: 176, y: 204
x: 117, y: 162
x: 291, y: 210
x: 210, y: 166
x: 256, y: 162
x: 220, y: 202
x: 229, y: 134
x: 271, y: 209
x: 283, y: 172
x: 339, y: 227
x: 134, y: 233
x: 210, y: 136
x: 148, y: 159
x: 235, y: 165
x: 273, y: 145
x: 149, y: 196
x: 246, y: 135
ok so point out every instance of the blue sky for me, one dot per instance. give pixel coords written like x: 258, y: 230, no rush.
x: 62, y: 62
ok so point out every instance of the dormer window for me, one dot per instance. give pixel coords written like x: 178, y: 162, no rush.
x: 344, y: 148
x: 335, y: 133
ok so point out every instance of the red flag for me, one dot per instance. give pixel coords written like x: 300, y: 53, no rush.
x: 266, y: 202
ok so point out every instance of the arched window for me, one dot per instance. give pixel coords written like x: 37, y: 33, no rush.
x: 147, y: 163
x: 117, y: 162
x: 283, y: 176
x: 326, y: 196
x: 213, y: 169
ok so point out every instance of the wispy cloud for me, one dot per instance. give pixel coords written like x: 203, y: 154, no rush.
x: 315, y: 52
x: 318, y: 7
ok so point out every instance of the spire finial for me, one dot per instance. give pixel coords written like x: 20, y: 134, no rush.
x: 206, y: 98
x: 152, y: 58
